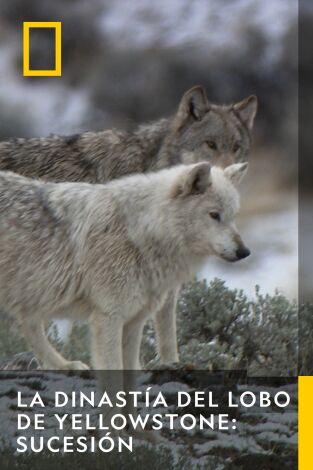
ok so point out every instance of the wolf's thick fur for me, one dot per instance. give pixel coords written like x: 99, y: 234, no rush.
x: 109, y: 253
x: 199, y: 131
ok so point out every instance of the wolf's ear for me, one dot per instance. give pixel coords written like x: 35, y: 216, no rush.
x: 195, y: 180
x: 247, y: 110
x: 193, y: 104
x: 236, y: 172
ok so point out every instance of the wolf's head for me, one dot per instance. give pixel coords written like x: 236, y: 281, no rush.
x: 204, y: 205
x: 202, y: 131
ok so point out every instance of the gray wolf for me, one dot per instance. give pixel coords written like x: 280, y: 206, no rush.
x: 110, y: 253
x: 198, y: 131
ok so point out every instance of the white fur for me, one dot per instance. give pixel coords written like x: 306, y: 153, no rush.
x: 109, y: 253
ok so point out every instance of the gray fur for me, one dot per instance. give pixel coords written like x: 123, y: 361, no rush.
x: 199, y: 131
x: 109, y: 253
x: 96, y: 157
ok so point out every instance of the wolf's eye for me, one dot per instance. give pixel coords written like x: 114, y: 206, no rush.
x: 215, y: 215
x: 211, y: 144
x: 236, y: 147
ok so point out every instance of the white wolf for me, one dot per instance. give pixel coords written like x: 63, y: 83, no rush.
x: 110, y: 253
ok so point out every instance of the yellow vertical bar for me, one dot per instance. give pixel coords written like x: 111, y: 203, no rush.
x: 57, y: 26
x: 58, y: 47
x: 25, y: 48
x: 305, y: 417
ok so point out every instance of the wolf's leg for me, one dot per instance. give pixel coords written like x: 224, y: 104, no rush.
x: 132, y: 336
x: 165, y: 327
x: 106, y: 343
x: 49, y: 358
x: 107, y: 357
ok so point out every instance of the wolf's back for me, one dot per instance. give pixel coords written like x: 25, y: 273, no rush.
x: 53, y: 158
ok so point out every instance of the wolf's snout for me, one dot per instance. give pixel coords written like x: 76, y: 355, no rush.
x: 242, y: 252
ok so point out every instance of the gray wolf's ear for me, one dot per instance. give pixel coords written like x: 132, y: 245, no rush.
x: 236, y: 172
x: 193, y: 104
x: 195, y: 180
x: 247, y: 110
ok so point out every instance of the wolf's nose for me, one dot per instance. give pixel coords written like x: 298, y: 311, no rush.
x: 242, y: 252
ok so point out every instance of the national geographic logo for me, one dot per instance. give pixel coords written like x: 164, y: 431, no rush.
x: 57, y: 70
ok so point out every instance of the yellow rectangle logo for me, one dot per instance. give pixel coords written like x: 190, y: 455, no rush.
x: 305, y: 413
x: 57, y: 71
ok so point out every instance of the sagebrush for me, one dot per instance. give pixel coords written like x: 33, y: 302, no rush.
x: 218, y: 328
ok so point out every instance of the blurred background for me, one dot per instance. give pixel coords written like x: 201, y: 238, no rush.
x: 125, y: 62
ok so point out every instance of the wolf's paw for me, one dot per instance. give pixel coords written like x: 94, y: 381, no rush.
x: 75, y: 365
